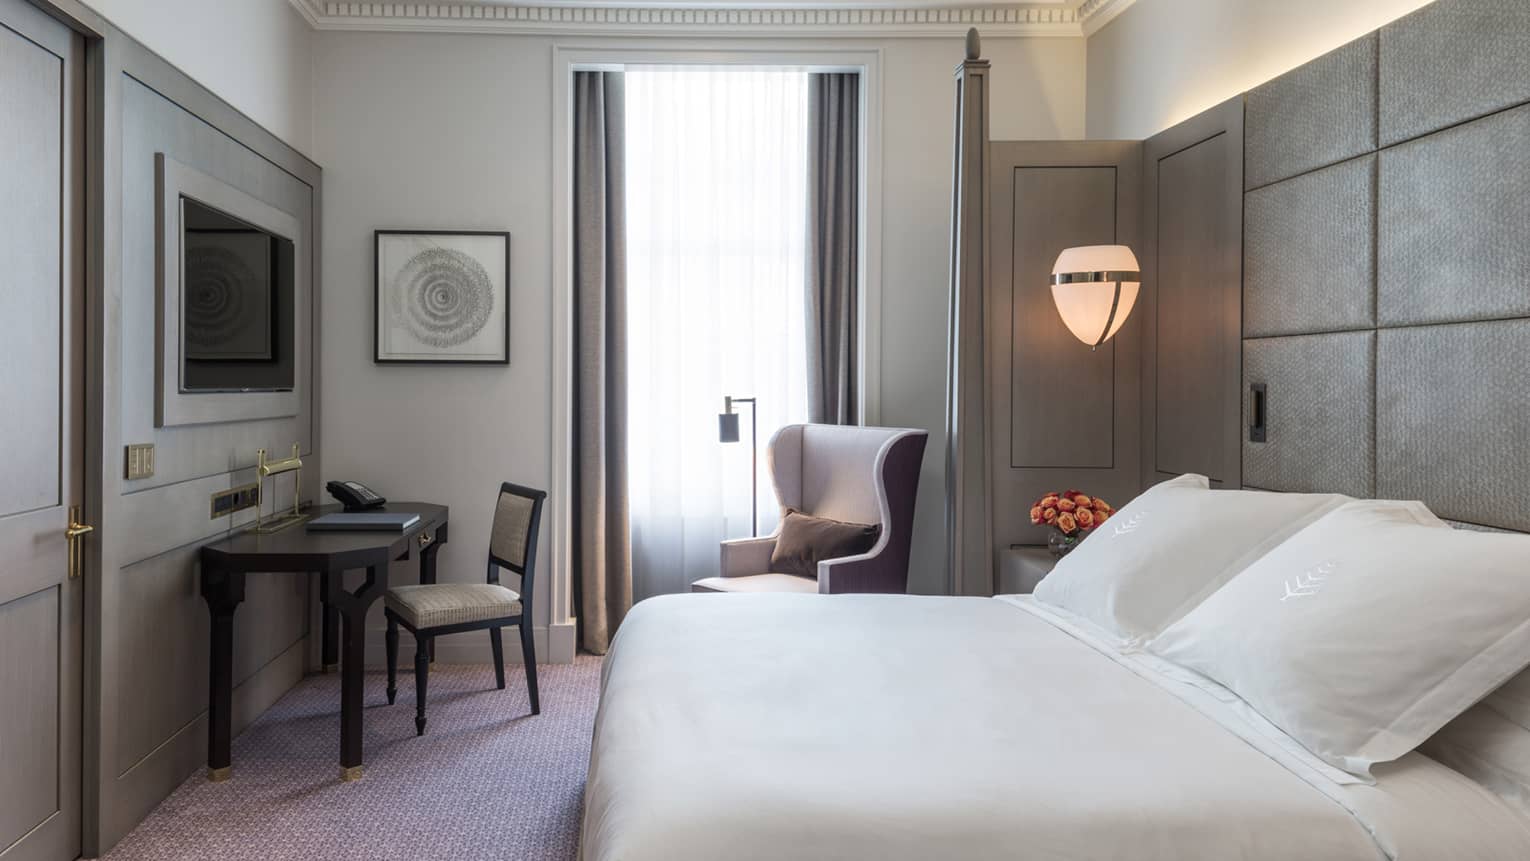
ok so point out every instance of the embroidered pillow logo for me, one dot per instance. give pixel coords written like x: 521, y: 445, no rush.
x: 1130, y: 525
x: 1309, y: 582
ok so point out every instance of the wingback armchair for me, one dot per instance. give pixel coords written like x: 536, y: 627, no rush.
x: 853, y: 474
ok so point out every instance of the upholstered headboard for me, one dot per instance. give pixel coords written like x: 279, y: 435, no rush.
x: 1386, y: 307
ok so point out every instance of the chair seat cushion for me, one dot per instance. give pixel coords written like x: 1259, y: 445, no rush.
x: 435, y: 605
x: 756, y: 583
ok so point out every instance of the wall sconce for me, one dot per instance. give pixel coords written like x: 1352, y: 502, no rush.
x: 1094, y: 288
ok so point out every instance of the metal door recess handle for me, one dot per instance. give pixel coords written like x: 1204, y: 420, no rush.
x: 1258, y: 429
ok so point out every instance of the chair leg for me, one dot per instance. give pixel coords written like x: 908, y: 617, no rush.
x: 499, y: 657
x: 421, y: 679
x: 392, y: 642
x: 529, y: 655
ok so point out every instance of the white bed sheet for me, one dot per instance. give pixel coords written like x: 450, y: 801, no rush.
x: 904, y: 727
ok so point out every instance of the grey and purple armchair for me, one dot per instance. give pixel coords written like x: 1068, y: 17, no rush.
x: 853, y: 474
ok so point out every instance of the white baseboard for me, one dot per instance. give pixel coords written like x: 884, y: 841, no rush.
x: 562, y: 642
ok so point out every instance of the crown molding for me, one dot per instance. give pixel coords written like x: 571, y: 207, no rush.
x: 650, y: 18
x: 1094, y: 14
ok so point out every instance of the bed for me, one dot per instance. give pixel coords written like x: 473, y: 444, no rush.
x: 910, y: 727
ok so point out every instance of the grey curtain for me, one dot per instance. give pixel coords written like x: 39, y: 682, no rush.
x: 602, y: 554
x: 833, y: 196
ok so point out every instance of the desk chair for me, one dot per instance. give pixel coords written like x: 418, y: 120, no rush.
x: 432, y: 609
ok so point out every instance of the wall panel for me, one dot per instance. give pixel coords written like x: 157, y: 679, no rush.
x: 1309, y: 263
x: 1454, y: 209
x: 1056, y: 208
x: 1192, y: 296
x: 1450, y: 420
x: 147, y: 647
x: 1314, y: 115
x: 1451, y: 61
x: 1060, y: 415
x: 1403, y: 407
x: 1321, y: 413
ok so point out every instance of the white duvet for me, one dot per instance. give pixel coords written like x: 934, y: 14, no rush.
x: 903, y: 727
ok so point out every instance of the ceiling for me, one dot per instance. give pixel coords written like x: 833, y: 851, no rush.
x: 722, y: 18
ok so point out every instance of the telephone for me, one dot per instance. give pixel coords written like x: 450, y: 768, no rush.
x: 354, y: 495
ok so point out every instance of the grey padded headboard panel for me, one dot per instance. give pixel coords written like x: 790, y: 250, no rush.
x: 1314, y: 115
x: 1386, y: 308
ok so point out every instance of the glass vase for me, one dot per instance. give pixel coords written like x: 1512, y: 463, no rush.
x: 1061, y: 545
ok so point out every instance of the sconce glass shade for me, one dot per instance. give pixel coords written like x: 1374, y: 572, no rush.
x: 727, y: 427
x: 1094, y: 288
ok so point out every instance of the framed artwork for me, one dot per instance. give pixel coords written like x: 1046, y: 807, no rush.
x: 442, y: 297
x: 228, y: 298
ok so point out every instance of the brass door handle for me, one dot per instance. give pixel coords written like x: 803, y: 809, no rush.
x: 425, y: 538
x: 73, y: 533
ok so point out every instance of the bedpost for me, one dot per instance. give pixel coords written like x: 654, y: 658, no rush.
x: 969, y: 550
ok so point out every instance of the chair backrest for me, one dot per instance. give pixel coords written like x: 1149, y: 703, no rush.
x: 513, y: 538
x: 835, y: 470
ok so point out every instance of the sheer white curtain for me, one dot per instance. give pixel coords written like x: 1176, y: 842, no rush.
x: 716, y: 209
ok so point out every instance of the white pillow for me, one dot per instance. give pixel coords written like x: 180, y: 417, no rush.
x: 1490, y: 742
x: 1366, y: 632
x: 1169, y: 548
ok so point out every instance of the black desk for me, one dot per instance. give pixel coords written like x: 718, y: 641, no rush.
x: 295, y: 550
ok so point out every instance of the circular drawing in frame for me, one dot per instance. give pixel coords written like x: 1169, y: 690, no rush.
x: 219, y: 310
x: 442, y: 297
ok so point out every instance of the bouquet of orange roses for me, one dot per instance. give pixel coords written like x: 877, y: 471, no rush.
x: 1070, y: 516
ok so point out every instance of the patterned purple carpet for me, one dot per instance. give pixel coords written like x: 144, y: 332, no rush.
x: 486, y: 781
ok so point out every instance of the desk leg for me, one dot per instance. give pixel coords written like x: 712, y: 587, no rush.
x: 329, y: 626
x: 428, y: 575
x: 353, y: 616
x: 223, y: 591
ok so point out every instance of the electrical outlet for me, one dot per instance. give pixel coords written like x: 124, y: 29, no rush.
x: 140, y: 460
x: 226, y: 502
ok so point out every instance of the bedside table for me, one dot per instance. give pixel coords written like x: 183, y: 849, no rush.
x: 1021, y: 567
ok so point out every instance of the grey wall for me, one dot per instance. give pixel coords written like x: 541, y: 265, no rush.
x: 1402, y: 378
x: 421, y: 130
x: 266, y: 72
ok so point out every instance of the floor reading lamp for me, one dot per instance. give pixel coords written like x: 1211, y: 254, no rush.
x: 727, y: 431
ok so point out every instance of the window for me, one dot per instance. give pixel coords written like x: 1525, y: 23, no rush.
x: 716, y: 186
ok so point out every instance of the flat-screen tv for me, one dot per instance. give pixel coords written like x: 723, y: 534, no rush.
x: 237, y: 331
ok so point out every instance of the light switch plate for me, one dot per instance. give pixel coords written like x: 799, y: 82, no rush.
x: 140, y: 460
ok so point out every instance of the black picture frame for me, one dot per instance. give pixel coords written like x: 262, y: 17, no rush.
x: 386, y: 353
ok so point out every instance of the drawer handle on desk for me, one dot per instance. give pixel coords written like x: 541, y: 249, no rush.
x: 425, y: 538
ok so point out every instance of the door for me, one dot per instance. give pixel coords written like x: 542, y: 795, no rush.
x: 41, y: 425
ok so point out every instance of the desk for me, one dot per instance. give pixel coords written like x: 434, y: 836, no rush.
x: 295, y: 550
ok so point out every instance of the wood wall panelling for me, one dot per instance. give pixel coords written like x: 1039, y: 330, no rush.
x: 1057, y: 208
x: 1060, y: 414
x: 146, y: 731
x: 1191, y: 303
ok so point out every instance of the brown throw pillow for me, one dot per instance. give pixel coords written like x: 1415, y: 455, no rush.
x: 806, y: 540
